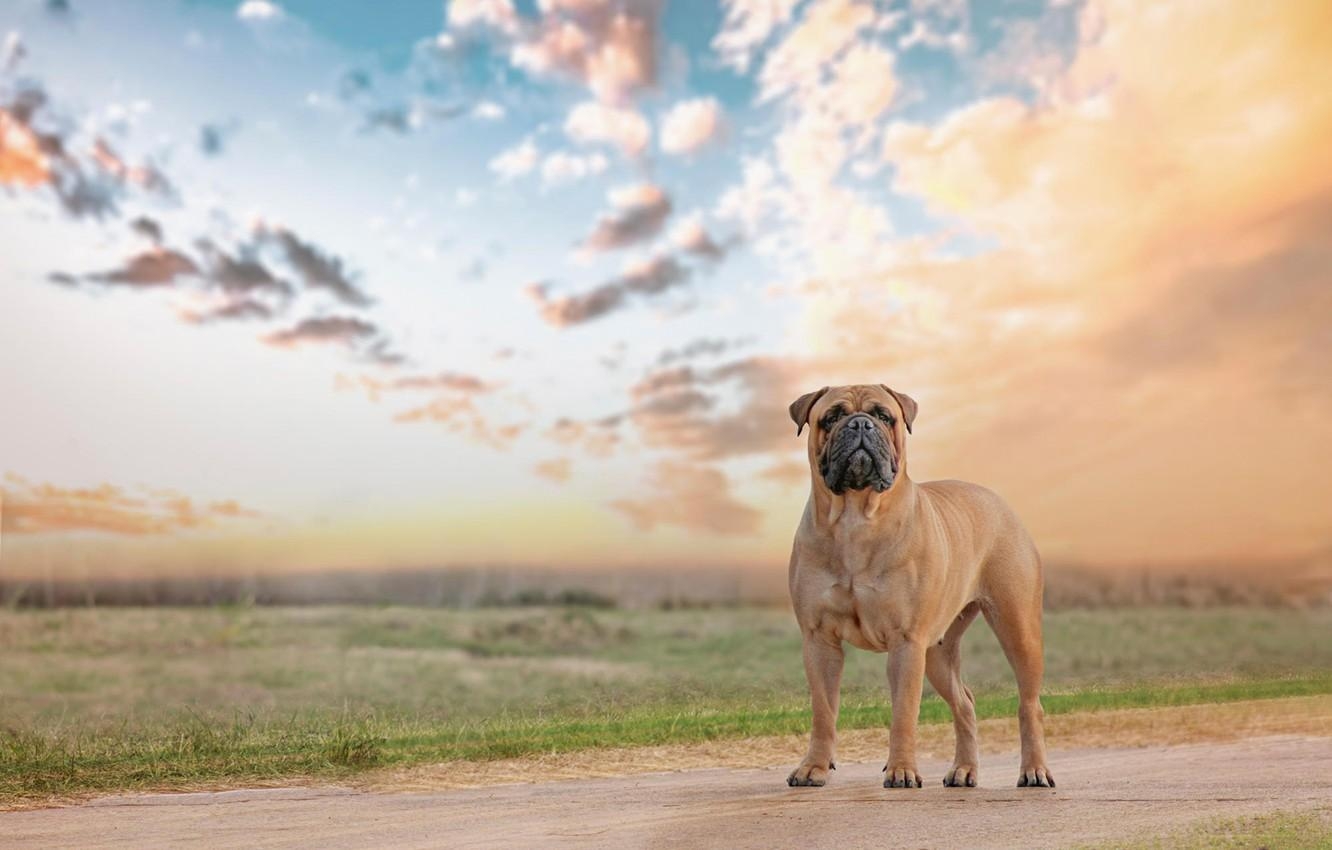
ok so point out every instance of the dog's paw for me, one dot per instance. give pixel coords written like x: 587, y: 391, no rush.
x: 809, y: 773
x: 961, y: 776
x: 901, y: 777
x: 1036, y: 776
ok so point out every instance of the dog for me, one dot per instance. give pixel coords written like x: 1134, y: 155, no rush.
x: 888, y: 565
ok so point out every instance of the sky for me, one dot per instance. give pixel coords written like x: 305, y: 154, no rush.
x: 302, y: 285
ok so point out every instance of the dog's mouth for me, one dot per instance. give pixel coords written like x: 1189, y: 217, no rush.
x: 857, y: 461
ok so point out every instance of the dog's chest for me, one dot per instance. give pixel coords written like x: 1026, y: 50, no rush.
x: 864, y: 605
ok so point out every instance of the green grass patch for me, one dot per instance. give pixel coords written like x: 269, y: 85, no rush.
x: 194, y: 750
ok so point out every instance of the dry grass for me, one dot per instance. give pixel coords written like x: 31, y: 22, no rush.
x: 1129, y: 728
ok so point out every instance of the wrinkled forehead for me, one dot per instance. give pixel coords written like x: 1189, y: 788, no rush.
x: 856, y: 397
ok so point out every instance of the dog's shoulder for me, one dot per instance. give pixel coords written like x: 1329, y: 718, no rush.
x: 951, y: 489
x: 966, y: 497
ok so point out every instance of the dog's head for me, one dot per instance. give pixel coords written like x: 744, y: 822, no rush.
x: 857, y: 434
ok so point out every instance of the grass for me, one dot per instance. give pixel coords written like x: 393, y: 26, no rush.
x: 1279, y: 831
x: 98, y: 700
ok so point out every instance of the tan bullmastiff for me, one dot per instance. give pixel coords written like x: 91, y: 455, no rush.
x: 888, y: 565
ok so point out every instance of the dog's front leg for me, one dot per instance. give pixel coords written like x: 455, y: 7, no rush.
x: 906, y: 679
x: 823, y: 669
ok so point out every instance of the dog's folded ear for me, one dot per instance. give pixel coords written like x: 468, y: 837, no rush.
x: 801, y: 407
x: 908, y: 406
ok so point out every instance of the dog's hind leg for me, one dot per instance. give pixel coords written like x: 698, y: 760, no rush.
x: 943, y: 667
x: 1015, y: 616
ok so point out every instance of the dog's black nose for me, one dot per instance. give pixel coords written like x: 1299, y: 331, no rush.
x: 860, y: 422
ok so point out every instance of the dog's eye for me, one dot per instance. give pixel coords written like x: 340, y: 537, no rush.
x: 886, y: 417
x: 831, y: 417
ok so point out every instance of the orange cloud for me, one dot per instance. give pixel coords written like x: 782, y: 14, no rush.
x: 611, y: 48
x: 690, y: 496
x: 459, y: 415
x: 29, y: 508
x: 556, y: 469
x: 22, y: 162
x: 1141, y: 348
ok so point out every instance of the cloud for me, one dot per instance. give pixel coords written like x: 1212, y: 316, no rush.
x: 597, y: 437
x: 833, y: 84
x: 922, y: 33
x: 693, y: 497
x: 496, y: 14
x: 691, y: 125
x: 517, y: 161
x: 798, y: 62
x: 560, y: 167
x: 213, y: 137
x: 353, y: 83
x: 648, y: 277
x: 233, y: 309
x: 317, y: 269
x: 459, y: 416
x: 639, y: 213
x: 556, y: 469
x: 1135, y: 293
x: 144, y: 176
x: 567, y: 310
x: 611, y: 48
x: 148, y: 228
x: 34, y: 154
x: 488, y: 110
x: 259, y: 11
x: 699, y: 348
x: 396, y: 118
x: 591, y: 122
x: 241, y: 273
x: 748, y: 25
x: 46, y: 509
x: 336, y: 330
x: 691, y: 237
x: 733, y: 409
x: 159, y: 267
x: 12, y: 52
x: 445, y: 383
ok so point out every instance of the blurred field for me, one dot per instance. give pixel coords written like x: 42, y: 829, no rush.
x: 99, y: 698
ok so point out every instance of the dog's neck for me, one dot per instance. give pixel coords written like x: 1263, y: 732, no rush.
x: 863, y: 507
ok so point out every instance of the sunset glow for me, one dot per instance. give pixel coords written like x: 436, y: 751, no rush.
x: 302, y: 285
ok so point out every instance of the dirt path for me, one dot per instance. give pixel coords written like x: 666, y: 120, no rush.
x: 1103, y: 794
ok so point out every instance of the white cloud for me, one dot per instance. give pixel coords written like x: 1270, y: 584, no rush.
x: 517, y: 161
x: 592, y: 122
x: 692, y: 237
x: 691, y: 125
x: 259, y: 10
x: 488, y: 110
x: 497, y: 14
x: 798, y: 62
x: 561, y: 167
x: 13, y: 51
x: 748, y: 26
x: 923, y: 34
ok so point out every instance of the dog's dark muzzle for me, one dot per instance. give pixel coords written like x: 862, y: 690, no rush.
x: 858, y: 457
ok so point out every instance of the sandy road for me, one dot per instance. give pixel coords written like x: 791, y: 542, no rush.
x: 1103, y: 794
